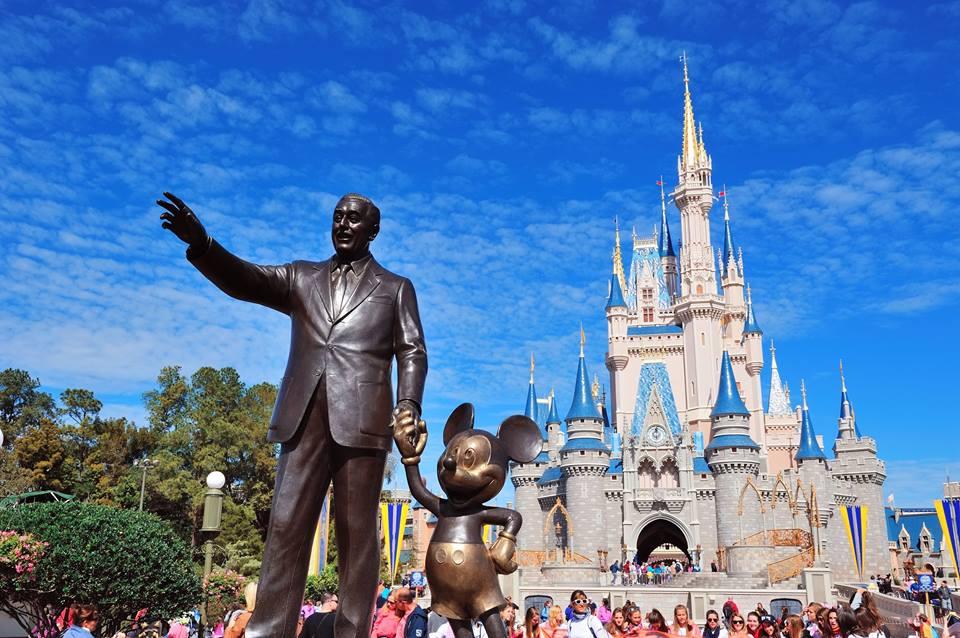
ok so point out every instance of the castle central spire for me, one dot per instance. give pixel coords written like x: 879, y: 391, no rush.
x: 690, y: 146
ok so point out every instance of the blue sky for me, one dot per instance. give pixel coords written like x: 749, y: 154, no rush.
x: 500, y: 141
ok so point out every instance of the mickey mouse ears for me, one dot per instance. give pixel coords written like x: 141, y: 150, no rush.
x: 519, y: 435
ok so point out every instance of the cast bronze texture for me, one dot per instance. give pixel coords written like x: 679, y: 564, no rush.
x: 461, y: 569
x: 349, y: 319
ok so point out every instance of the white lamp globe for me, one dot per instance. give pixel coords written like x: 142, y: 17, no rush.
x: 216, y: 480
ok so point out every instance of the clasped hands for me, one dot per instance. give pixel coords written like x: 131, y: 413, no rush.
x: 409, y: 433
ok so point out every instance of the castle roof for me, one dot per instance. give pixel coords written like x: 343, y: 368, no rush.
x: 551, y: 475
x: 615, y: 299
x: 616, y: 466
x: 700, y: 465
x: 582, y: 406
x: 669, y: 329
x: 913, y: 520
x: 543, y: 457
x: 552, y: 415
x: 664, y: 241
x: 729, y: 249
x: 653, y: 376
x: 728, y: 398
x: 751, y: 326
x: 809, y: 447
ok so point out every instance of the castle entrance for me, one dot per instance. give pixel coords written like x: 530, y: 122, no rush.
x: 662, y: 539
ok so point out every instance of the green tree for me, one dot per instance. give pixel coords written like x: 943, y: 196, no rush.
x: 121, y: 560
x: 40, y: 451
x: 22, y: 404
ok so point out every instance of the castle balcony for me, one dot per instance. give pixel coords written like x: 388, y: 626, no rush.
x: 650, y: 499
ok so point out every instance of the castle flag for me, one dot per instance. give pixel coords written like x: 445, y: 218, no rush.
x: 855, y: 523
x: 321, y: 538
x: 948, y: 511
x: 393, y: 520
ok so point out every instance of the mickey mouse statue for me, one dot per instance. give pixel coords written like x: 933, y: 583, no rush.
x: 461, y: 570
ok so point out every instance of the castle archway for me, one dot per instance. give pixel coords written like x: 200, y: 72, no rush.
x: 662, y: 537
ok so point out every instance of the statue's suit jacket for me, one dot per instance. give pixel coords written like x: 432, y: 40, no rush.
x: 353, y: 350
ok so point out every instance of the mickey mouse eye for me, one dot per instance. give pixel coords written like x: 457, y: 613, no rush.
x: 469, y: 458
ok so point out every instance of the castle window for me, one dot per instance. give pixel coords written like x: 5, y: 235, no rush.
x: 925, y: 542
x: 699, y: 289
x: 648, y: 314
x: 647, y: 294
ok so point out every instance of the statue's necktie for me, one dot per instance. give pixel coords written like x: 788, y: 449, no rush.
x: 340, y: 291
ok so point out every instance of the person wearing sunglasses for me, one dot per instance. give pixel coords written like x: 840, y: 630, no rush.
x: 388, y: 618
x: 582, y: 623
x: 713, y: 628
x: 738, y: 627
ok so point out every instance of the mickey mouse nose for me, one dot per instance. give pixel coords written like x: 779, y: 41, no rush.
x: 449, y: 463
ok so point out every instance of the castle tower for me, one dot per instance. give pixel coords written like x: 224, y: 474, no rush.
x: 733, y: 457
x: 555, y: 434
x: 584, y: 460
x: 524, y: 478
x: 699, y: 308
x: 847, y: 423
x: 731, y: 276
x: 752, y: 340
x: 665, y: 245
x: 779, y: 402
x: 862, y: 475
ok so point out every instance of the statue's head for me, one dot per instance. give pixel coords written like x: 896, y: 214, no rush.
x: 356, y: 222
x: 473, y: 467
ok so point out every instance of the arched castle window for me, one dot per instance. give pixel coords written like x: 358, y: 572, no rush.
x: 646, y: 474
x: 669, y: 473
x: 699, y: 289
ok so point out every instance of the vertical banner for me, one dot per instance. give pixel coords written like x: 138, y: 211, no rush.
x: 855, y: 523
x: 318, y: 550
x: 489, y: 534
x: 948, y: 511
x: 393, y: 520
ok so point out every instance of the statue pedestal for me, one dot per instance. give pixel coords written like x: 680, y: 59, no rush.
x: 818, y: 581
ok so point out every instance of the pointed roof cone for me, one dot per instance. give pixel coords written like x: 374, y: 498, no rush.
x: 582, y: 406
x: 779, y: 403
x: 728, y: 398
x: 751, y: 326
x: 615, y: 299
x: 617, y: 255
x: 845, y: 407
x: 809, y: 447
x: 552, y: 414
x: 532, y: 408
x: 665, y: 242
x: 690, y: 148
x: 729, y: 249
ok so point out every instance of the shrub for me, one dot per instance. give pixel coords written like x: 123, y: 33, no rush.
x: 120, y: 560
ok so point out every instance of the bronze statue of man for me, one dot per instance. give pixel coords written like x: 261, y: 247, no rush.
x: 350, y: 317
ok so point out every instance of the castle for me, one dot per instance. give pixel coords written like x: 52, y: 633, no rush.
x: 688, y: 462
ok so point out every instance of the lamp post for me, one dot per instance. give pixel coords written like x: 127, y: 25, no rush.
x: 145, y: 464
x: 212, y: 514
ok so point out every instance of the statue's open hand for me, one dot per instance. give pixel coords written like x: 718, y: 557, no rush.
x: 182, y: 222
x: 501, y: 553
x: 409, y: 433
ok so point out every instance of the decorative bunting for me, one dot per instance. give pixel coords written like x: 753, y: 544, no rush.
x: 321, y: 538
x: 948, y: 511
x: 855, y: 523
x: 393, y: 520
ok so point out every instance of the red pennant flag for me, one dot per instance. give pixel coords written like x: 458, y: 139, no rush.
x: 723, y: 193
x: 659, y: 183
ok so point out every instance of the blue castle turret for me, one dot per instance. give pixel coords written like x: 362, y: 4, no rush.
x: 809, y: 447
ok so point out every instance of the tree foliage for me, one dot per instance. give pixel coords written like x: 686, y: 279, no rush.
x: 121, y: 560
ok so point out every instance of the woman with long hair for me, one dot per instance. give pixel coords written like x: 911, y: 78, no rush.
x: 753, y: 624
x: 811, y: 628
x: 768, y: 627
x: 793, y: 627
x: 531, y: 623
x: 554, y: 619
x: 829, y: 623
x: 681, y: 623
x: 846, y: 623
x: 738, y: 626
x: 655, y: 621
x: 617, y: 626
x: 582, y: 623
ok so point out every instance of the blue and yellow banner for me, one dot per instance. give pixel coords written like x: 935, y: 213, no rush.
x: 393, y: 520
x: 948, y: 511
x: 321, y: 539
x: 855, y: 522
x: 489, y: 534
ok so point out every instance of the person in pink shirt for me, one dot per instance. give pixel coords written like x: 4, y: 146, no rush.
x: 387, y: 619
x: 178, y: 629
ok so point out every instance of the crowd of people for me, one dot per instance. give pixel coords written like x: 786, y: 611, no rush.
x: 633, y: 572
x: 398, y: 615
